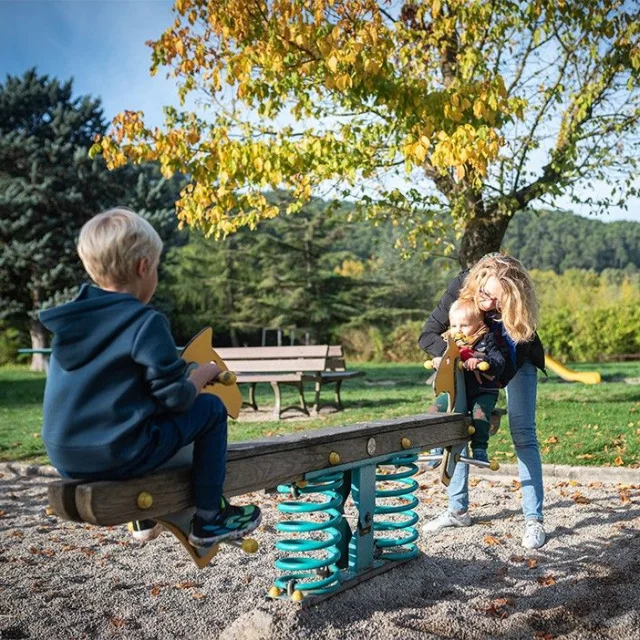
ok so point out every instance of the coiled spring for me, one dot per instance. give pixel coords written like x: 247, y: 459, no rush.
x: 395, y: 506
x: 316, y: 573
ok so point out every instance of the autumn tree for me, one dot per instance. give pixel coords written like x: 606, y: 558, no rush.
x: 445, y: 116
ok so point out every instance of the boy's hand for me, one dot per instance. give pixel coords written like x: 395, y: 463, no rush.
x: 472, y: 364
x: 204, y: 374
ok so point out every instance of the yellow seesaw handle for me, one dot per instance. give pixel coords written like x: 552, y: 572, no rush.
x: 227, y: 378
x: 483, y: 366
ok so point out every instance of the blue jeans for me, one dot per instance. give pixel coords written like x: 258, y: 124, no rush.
x: 204, y: 425
x: 521, y: 410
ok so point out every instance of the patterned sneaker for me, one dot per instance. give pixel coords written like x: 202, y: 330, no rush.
x: 230, y: 523
x: 144, y: 530
x: 480, y: 455
x: 447, y: 519
x: 534, y: 534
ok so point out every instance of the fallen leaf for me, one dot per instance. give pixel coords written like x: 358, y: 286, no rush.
x: 199, y: 596
x: 516, y: 559
x: 552, y: 440
x: 580, y: 499
x: 546, y: 581
x: 491, y: 540
x: 117, y: 622
x: 49, y: 511
x: 624, y: 497
x: 532, y: 563
x: 618, y: 461
x: 155, y: 590
x: 186, y: 585
x: 501, y: 572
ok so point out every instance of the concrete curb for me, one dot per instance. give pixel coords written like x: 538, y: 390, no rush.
x: 558, y: 472
x: 562, y: 472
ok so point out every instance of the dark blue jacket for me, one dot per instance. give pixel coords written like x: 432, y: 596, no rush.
x: 114, y: 366
x: 493, y: 353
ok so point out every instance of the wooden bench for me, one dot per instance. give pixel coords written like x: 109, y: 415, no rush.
x: 293, y: 366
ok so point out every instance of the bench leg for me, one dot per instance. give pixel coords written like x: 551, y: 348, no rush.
x: 303, y: 404
x: 276, y: 390
x: 316, y: 399
x: 336, y: 395
x: 252, y: 396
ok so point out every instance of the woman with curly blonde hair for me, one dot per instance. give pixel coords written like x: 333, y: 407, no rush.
x: 502, y: 288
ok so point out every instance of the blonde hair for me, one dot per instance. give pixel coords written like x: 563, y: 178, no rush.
x: 519, y: 304
x: 113, y: 242
x: 468, y: 305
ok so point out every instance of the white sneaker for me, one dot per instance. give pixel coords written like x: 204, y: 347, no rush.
x: 447, y: 519
x: 534, y: 534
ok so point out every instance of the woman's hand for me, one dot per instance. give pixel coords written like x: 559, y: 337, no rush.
x: 435, y: 363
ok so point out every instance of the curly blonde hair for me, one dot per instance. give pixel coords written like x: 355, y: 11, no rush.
x: 519, y: 305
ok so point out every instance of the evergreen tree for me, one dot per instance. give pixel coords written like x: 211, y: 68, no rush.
x: 49, y: 187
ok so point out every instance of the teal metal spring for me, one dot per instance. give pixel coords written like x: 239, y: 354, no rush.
x: 316, y: 573
x: 396, y: 511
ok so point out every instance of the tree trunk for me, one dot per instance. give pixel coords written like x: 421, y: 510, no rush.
x: 38, y: 334
x: 483, y: 234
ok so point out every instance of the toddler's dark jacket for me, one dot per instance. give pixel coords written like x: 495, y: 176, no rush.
x: 438, y: 322
x: 114, y: 366
x: 494, y: 354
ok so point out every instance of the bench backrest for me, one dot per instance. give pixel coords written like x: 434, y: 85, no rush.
x: 275, y: 359
x: 335, y: 358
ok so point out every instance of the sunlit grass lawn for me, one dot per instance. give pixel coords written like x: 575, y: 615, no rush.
x: 577, y: 424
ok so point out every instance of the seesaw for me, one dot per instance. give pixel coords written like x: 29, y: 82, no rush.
x: 324, y: 548
x: 449, y: 379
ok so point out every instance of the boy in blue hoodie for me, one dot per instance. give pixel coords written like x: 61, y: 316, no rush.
x: 118, y: 401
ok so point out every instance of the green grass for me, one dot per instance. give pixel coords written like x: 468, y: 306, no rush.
x: 577, y: 424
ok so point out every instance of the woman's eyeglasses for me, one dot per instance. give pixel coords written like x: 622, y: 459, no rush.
x: 487, y: 296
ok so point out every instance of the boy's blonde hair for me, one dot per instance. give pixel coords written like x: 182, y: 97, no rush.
x: 519, y: 305
x: 113, y: 242
x: 468, y: 306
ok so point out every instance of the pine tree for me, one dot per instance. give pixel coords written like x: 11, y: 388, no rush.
x: 49, y: 187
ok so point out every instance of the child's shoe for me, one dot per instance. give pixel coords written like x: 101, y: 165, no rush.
x: 144, y: 530
x: 230, y: 523
x: 480, y: 455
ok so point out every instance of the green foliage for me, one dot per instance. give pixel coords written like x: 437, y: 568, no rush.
x: 49, y: 187
x: 585, y: 316
x: 10, y: 341
x: 558, y: 241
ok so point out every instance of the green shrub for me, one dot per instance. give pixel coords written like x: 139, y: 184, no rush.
x: 402, y: 343
x: 10, y: 341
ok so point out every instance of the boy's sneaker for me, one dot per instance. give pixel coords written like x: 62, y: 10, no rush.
x: 144, y: 530
x: 230, y: 523
x: 480, y: 455
x: 534, y: 534
x: 447, y: 519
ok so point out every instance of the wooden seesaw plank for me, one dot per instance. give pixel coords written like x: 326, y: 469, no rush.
x: 260, y: 464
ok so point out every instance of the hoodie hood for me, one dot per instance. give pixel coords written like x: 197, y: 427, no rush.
x: 89, y: 323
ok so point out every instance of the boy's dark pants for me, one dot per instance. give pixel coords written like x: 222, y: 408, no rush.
x: 205, y: 424
x: 481, y: 405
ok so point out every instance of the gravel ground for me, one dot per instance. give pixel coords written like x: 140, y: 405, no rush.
x: 63, y: 580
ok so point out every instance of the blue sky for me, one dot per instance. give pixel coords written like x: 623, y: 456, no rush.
x: 101, y: 44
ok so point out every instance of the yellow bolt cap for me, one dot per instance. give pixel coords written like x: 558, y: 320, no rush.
x: 249, y: 545
x: 428, y: 364
x: 145, y: 500
x: 494, y: 465
x: 405, y: 443
x: 297, y: 596
x: 471, y: 430
x: 334, y: 458
x: 274, y: 592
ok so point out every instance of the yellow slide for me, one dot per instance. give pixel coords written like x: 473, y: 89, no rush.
x: 587, y: 377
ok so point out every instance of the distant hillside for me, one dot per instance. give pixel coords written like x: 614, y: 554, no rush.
x: 557, y: 241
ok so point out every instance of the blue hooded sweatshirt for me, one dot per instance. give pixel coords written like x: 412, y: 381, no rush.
x: 114, y: 366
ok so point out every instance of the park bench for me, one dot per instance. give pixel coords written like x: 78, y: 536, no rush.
x: 323, y: 549
x: 279, y: 366
x: 290, y: 366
